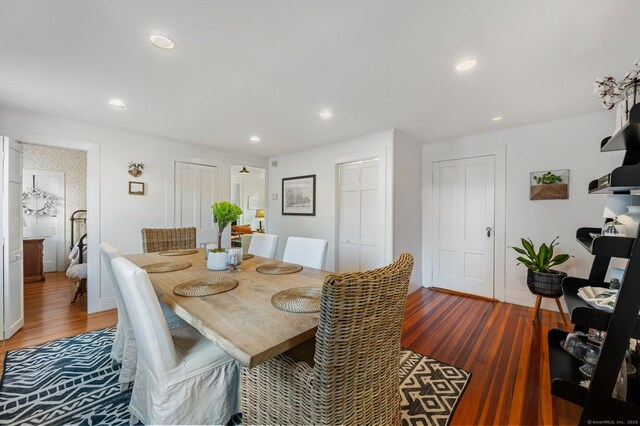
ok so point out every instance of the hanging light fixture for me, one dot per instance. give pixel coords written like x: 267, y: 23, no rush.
x: 244, y: 171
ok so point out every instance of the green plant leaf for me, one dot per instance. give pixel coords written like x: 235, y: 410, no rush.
x: 559, y: 259
x: 528, y: 246
x: 519, y: 250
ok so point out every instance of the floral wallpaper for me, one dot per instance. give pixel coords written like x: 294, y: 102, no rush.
x: 73, y: 164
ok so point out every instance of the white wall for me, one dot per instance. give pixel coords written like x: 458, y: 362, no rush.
x: 323, y: 162
x: 121, y: 216
x: 407, y: 201
x: 568, y: 143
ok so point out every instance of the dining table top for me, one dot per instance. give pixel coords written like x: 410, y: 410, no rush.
x: 242, y: 321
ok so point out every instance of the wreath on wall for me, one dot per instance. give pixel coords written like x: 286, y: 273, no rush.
x: 33, y: 193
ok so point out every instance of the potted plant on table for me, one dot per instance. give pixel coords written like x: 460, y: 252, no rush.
x: 541, y: 278
x: 224, y: 213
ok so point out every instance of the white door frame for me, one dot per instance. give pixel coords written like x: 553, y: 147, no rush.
x: 428, y: 225
x: 94, y: 302
x: 60, y: 213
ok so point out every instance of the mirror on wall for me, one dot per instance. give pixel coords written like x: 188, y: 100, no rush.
x: 248, y: 192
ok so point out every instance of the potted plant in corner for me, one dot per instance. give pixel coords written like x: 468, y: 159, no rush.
x: 224, y: 213
x: 541, y: 278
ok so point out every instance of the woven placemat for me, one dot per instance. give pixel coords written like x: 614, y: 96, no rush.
x: 166, y: 266
x: 247, y: 256
x: 279, y: 268
x: 301, y: 300
x: 213, y: 284
x: 184, y: 252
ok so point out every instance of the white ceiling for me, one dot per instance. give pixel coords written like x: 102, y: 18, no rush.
x: 268, y: 67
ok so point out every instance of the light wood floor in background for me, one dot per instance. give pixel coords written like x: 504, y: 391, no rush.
x: 497, y: 342
x: 506, y: 353
x: 49, y: 314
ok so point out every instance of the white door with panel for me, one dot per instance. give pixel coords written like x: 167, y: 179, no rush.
x: 196, y: 189
x: 360, y: 217
x: 12, y: 299
x: 463, y: 243
x: 48, y: 226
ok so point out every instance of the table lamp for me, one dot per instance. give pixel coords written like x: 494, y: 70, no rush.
x: 260, y: 216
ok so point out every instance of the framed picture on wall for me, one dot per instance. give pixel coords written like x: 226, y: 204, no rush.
x: 299, y: 196
x: 254, y: 202
x: 136, y: 188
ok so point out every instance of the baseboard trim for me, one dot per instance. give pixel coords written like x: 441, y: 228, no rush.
x: 459, y: 293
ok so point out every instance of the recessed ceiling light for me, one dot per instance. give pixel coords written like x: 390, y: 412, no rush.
x: 117, y: 103
x: 326, y: 114
x: 254, y: 139
x: 466, y: 64
x: 162, y: 41
x: 498, y: 118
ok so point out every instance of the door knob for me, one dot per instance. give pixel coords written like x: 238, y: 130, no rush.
x: 488, y: 231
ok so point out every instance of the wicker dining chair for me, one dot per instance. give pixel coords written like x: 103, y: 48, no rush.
x: 161, y: 239
x: 355, y: 379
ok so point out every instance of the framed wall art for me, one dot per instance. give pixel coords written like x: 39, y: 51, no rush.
x: 299, y: 195
x: 136, y: 188
x: 549, y: 185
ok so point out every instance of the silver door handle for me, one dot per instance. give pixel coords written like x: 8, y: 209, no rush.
x: 488, y: 231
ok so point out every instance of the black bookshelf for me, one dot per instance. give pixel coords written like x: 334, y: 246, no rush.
x: 620, y: 325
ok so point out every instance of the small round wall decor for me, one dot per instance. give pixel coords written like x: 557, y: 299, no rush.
x: 33, y: 193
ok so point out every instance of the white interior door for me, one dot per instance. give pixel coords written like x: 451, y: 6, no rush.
x: 196, y: 189
x: 13, y: 281
x: 50, y: 226
x: 360, y: 216
x: 463, y: 244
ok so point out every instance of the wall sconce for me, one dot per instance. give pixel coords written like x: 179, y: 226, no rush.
x: 135, y: 169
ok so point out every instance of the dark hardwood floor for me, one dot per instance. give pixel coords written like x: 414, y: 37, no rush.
x: 497, y: 342
x: 505, y: 351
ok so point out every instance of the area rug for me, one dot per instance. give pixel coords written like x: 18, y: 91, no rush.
x: 72, y: 382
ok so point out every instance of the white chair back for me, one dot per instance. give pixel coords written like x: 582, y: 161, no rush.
x: 309, y: 252
x: 263, y: 245
x: 109, y: 253
x: 153, y: 339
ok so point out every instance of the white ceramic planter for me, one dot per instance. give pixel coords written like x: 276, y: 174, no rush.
x: 217, y: 261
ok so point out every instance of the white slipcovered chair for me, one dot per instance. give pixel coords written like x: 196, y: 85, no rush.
x: 309, y: 252
x: 124, y: 351
x: 181, y: 378
x: 263, y: 245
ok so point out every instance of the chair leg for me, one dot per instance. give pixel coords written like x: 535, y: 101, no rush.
x: 564, y: 319
x: 537, y: 308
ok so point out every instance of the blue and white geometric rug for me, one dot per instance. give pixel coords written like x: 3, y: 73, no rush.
x: 72, y: 382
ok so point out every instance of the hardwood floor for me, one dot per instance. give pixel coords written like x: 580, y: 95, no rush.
x: 503, y: 349
x: 497, y: 342
x: 49, y: 314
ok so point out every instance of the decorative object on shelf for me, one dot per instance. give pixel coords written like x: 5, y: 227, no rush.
x: 613, y: 228
x: 135, y: 169
x: 260, y: 216
x: 35, y: 194
x: 224, y: 213
x: 612, y: 91
x: 599, y: 297
x: 630, y: 220
x: 136, y: 188
x: 299, y: 196
x: 549, y: 185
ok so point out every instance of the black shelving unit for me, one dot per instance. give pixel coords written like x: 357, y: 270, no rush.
x: 620, y: 325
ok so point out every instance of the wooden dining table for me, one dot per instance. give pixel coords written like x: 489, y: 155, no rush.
x: 242, y: 321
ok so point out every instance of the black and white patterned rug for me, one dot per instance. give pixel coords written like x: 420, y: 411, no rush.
x: 72, y: 382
